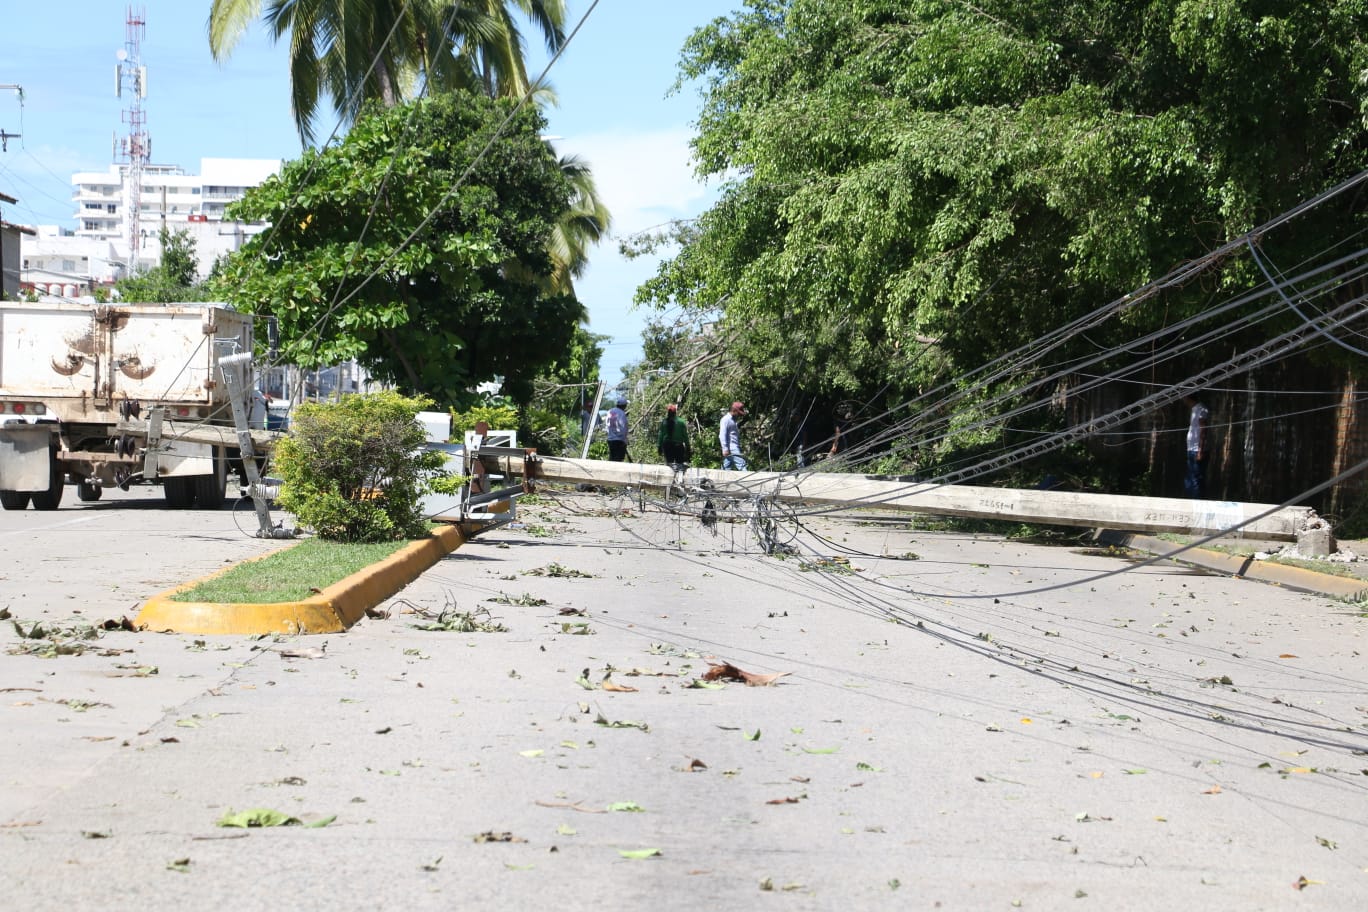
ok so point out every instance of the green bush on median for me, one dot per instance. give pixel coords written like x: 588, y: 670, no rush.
x: 356, y: 470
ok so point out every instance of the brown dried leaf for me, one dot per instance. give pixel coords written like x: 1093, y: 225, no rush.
x: 729, y: 672
x: 492, y: 836
x: 614, y: 687
x: 788, y: 800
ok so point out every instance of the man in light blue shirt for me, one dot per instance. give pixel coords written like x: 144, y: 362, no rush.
x: 617, y: 431
x: 730, y: 438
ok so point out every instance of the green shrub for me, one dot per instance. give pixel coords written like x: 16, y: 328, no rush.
x: 498, y: 417
x: 356, y: 470
x: 544, y: 429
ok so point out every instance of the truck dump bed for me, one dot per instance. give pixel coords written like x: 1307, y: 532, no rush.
x: 80, y: 358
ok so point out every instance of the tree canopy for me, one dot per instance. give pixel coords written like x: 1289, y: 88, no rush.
x: 417, y: 246
x: 174, y: 279
x: 916, y: 187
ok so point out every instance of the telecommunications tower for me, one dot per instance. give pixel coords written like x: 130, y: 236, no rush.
x: 134, y: 150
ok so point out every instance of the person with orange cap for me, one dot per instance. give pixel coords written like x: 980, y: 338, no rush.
x: 673, y: 439
x: 730, y: 437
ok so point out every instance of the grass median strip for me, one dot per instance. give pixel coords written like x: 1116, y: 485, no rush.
x: 292, y: 574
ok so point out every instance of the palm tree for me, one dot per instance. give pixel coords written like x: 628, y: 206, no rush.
x: 581, y: 226
x: 362, y: 50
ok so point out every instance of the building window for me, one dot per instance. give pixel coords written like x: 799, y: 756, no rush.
x: 68, y: 265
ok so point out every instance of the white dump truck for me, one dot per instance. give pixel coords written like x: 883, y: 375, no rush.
x: 120, y: 394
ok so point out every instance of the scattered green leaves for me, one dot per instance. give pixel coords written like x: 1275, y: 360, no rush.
x: 558, y: 571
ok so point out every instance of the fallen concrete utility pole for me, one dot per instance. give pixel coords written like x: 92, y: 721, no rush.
x: 1067, y: 508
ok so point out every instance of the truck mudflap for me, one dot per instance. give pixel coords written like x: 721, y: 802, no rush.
x: 25, y: 457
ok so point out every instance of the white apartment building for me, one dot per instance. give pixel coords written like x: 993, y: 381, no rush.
x: 170, y: 197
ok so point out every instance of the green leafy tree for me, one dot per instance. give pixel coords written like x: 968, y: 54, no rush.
x: 173, y: 279
x: 386, y: 51
x: 915, y: 188
x: 425, y: 260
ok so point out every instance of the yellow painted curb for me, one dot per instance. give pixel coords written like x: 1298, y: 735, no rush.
x: 1286, y: 575
x: 331, y: 611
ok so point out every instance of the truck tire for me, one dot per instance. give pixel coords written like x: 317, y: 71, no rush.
x: 88, y: 490
x: 14, y: 500
x: 209, y: 489
x: 51, y: 499
x: 179, y: 491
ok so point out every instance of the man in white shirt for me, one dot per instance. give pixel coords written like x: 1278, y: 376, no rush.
x: 729, y: 437
x: 1194, y: 482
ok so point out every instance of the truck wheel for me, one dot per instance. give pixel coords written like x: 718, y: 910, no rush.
x: 52, y: 497
x: 88, y: 490
x: 14, y: 500
x: 179, y: 491
x: 209, y: 489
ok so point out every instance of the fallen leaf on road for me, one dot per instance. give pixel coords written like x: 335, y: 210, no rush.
x: 728, y: 672
x: 309, y: 652
x: 574, y: 806
x: 626, y: 807
x: 258, y: 817
x: 1214, y: 790
x: 613, y: 687
x: 492, y: 836
x: 787, y: 800
x: 695, y: 766
x: 620, y: 723
x: 180, y: 866
x: 639, y: 853
x: 1287, y: 655
x: 1301, y: 883
x: 537, y: 752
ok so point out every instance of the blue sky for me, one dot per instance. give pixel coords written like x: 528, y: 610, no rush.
x: 612, y: 83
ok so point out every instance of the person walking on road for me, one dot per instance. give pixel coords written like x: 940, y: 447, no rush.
x: 730, y: 437
x: 617, y: 431
x: 1194, y: 481
x: 673, y: 439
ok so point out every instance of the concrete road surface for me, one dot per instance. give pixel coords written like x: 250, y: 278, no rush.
x: 962, y: 723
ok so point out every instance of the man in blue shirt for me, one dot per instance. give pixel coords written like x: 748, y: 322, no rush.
x: 617, y: 431
x: 730, y: 438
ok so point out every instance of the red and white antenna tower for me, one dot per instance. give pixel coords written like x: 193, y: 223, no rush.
x: 135, y: 149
